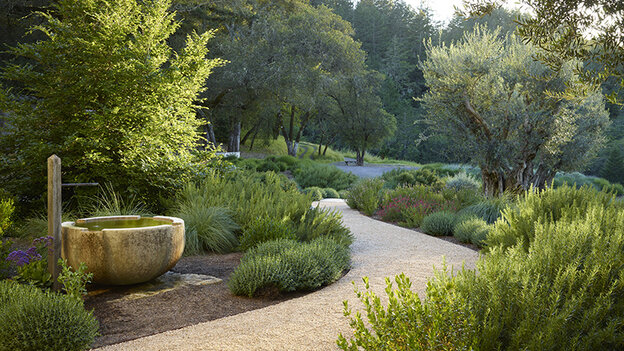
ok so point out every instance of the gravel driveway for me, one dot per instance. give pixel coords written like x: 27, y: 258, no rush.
x: 313, y: 321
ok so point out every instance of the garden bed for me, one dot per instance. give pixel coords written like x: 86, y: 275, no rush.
x: 123, y: 320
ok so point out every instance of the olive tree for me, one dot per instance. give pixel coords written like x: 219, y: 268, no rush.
x: 497, y: 103
x: 106, y: 93
x: 587, y: 30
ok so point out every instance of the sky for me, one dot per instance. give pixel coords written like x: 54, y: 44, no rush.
x: 443, y: 10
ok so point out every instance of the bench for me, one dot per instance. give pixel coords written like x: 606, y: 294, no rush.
x: 348, y: 161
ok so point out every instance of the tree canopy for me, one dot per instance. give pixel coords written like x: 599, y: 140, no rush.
x: 489, y: 96
x: 106, y: 93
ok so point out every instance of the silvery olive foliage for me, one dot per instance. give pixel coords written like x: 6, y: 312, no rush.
x: 501, y: 107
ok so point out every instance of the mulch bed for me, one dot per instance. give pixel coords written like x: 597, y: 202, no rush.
x: 131, y: 319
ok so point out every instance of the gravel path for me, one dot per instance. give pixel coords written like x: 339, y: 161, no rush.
x: 370, y: 170
x: 313, y: 321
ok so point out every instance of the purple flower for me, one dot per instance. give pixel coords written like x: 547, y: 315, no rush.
x: 19, y: 258
x: 45, y: 241
x: 32, y: 252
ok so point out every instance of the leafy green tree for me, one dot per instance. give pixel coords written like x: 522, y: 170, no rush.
x: 613, y: 169
x: 364, y: 122
x: 489, y: 96
x: 108, y: 95
x: 588, y: 30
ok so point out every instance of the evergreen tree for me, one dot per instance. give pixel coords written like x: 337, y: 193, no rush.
x: 107, y: 94
x: 613, y: 169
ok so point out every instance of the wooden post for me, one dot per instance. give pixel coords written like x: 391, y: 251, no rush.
x: 54, y: 218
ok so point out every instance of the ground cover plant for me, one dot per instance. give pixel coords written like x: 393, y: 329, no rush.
x: 570, y: 254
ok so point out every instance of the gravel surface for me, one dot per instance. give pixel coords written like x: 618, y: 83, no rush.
x: 313, y: 321
x: 369, y: 170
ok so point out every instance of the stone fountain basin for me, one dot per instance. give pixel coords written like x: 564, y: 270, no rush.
x: 124, y: 250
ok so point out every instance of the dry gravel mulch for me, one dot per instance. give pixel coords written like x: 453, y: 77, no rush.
x: 131, y: 319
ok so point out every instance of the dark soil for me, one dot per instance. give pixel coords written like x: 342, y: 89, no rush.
x: 131, y: 319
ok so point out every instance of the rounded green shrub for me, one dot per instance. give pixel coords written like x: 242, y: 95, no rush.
x: 265, y: 229
x: 462, y: 181
x: 472, y: 230
x: 268, y: 166
x: 343, y: 194
x: 315, y: 192
x: 290, y: 161
x: 287, y: 265
x: 438, y: 223
x: 329, y: 193
x: 282, y: 166
x: 34, y: 320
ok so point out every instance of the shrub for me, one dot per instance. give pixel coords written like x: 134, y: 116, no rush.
x: 287, y: 266
x: 462, y: 181
x: 5, y: 249
x: 34, y: 320
x: 443, y: 170
x: 319, y: 222
x: 344, y: 194
x: 248, y: 196
x: 207, y: 228
x: 314, y: 192
x: 402, y: 177
x: 409, y: 205
x: 6, y: 210
x: 268, y: 166
x: 265, y: 229
x: 471, y: 230
x: 74, y: 281
x: 439, y: 223
x: 615, y: 188
x: 291, y: 162
x: 562, y: 291
x: 407, y: 323
x: 518, y: 224
x: 489, y: 209
x: 329, y: 193
x: 31, y: 265
x: 463, y: 197
x: 364, y: 196
x: 324, y: 176
x: 249, y: 164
